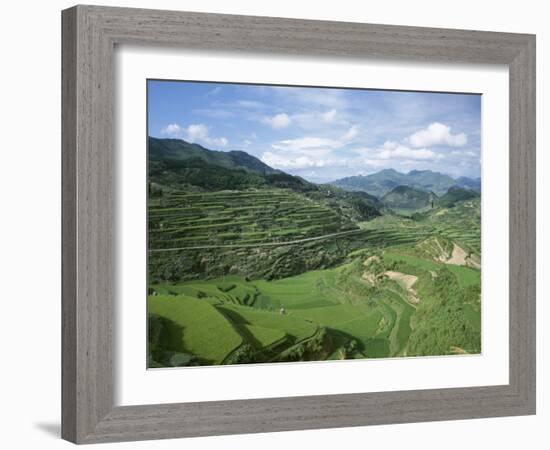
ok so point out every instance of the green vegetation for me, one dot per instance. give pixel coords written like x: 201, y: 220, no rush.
x: 455, y: 195
x: 382, y: 182
x: 248, y: 264
x: 445, y: 320
x: 239, y: 217
x: 195, y: 327
x: 408, y: 199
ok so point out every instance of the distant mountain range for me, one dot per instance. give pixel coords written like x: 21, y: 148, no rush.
x: 381, y: 183
x: 177, y: 165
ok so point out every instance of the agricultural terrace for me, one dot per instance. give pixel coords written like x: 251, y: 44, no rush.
x: 461, y: 224
x: 352, y: 311
x: 182, y: 220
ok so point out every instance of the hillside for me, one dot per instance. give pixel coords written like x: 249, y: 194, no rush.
x: 473, y: 184
x: 380, y: 183
x: 177, y: 166
x: 249, y: 264
x: 180, y: 150
x: 454, y: 195
x: 408, y: 198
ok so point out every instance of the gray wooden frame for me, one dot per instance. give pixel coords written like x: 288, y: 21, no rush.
x: 89, y: 36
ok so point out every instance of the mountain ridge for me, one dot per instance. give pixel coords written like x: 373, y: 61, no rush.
x: 181, y: 150
x: 176, y: 165
x: 382, y: 182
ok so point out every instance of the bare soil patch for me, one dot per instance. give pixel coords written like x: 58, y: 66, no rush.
x: 406, y: 281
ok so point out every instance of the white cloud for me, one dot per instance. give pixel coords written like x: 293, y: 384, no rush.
x: 307, y: 144
x: 391, y: 150
x: 437, y: 134
x: 298, y: 162
x: 403, y: 152
x: 390, y: 145
x: 172, y: 130
x: 313, y: 98
x: 200, y: 133
x: 329, y: 116
x: 305, y: 152
x: 328, y: 120
x: 464, y: 153
x: 196, y: 132
x: 277, y: 121
x: 351, y: 133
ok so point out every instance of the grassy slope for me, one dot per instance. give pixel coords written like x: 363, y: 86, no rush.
x: 265, y: 312
x: 447, y: 317
x: 466, y: 276
x: 198, y: 328
x: 309, y: 301
x: 296, y: 327
x: 379, y: 319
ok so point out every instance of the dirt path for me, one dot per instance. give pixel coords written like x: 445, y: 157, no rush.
x: 407, y: 282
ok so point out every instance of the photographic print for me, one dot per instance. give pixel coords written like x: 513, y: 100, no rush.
x: 290, y: 223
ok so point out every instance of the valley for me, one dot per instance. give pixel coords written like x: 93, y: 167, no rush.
x: 248, y: 264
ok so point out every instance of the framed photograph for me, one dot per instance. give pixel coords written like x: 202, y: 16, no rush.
x: 278, y: 224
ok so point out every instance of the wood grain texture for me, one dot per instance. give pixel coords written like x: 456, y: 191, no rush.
x: 89, y: 36
x: 68, y: 224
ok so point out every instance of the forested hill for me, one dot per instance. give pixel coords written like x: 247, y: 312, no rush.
x: 176, y: 165
x: 180, y: 150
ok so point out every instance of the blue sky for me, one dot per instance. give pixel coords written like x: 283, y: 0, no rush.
x: 323, y: 134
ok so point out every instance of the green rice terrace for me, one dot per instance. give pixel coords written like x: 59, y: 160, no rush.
x: 239, y: 218
x: 282, y: 270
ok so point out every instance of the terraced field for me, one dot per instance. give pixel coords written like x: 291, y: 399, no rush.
x: 183, y: 220
x: 461, y: 223
x: 271, y: 275
x: 207, y: 333
x: 334, y: 313
x: 269, y: 233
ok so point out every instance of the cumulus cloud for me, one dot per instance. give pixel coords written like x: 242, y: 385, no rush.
x: 437, y: 134
x: 292, y: 162
x: 351, y: 133
x: 329, y: 116
x: 171, y: 130
x: 392, y: 150
x: 199, y: 133
x: 403, y: 152
x: 307, y: 144
x: 278, y: 121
